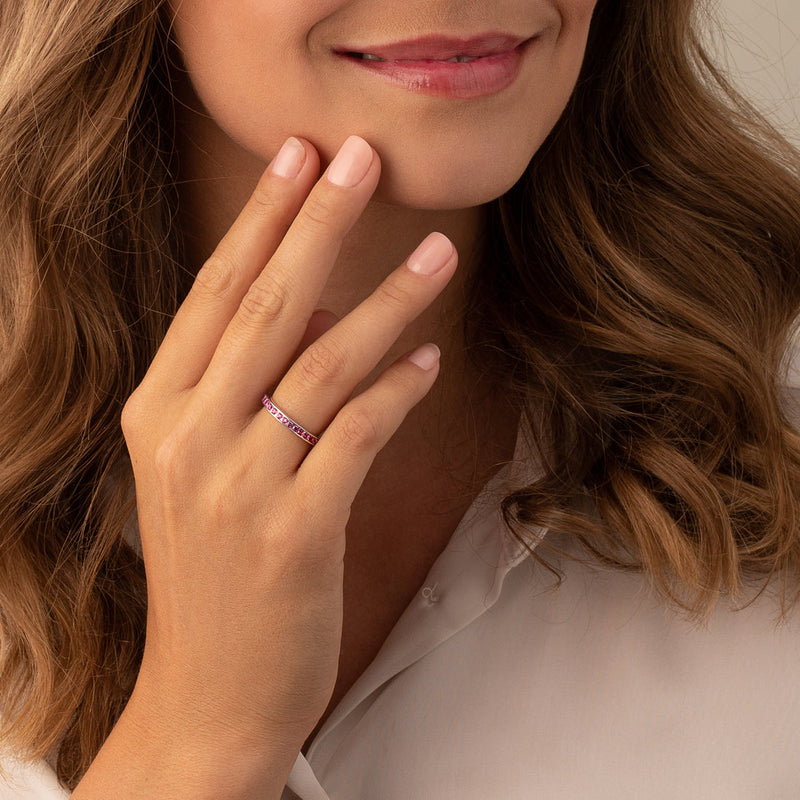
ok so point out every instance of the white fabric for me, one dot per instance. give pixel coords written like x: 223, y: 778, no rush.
x: 24, y: 781
x: 494, y: 685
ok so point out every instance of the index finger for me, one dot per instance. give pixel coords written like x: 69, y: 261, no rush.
x: 240, y: 256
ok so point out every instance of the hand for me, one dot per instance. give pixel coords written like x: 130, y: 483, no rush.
x: 242, y: 522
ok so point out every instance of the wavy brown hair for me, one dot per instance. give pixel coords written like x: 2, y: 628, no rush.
x: 649, y: 265
x: 638, y: 287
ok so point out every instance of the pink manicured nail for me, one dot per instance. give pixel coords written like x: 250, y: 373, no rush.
x: 351, y: 163
x: 425, y: 357
x: 290, y: 159
x: 431, y: 255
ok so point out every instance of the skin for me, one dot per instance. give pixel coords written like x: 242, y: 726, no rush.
x: 259, y: 550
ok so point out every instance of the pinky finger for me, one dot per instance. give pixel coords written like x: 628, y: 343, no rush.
x: 336, y: 467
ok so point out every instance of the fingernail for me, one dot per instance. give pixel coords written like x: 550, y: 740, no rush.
x: 351, y: 163
x: 431, y: 255
x: 290, y: 158
x: 425, y: 357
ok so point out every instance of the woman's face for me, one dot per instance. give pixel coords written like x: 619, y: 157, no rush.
x: 449, y: 136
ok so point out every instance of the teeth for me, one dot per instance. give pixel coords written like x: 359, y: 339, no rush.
x: 454, y: 60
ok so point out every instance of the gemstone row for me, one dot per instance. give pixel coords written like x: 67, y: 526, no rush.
x: 289, y: 423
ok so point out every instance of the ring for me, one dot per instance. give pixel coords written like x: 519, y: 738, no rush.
x: 299, y: 430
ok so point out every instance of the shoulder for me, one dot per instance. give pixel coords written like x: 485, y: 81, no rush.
x: 643, y: 663
x: 648, y: 698
x: 621, y: 606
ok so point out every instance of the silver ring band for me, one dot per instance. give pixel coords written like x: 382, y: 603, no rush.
x: 287, y: 422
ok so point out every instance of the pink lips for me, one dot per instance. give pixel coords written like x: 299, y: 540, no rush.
x: 422, y: 65
x: 440, y: 48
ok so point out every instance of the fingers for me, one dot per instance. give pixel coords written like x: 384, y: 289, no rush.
x: 325, y: 375
x: 257, y: 346
x: 335, y: 468
x: 240, y: 256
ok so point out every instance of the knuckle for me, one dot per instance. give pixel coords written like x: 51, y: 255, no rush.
x: 319, y: 211
x: 131, y: 419
x: 265, y: 203
x: 216, y: 277
x: 265, y: 301
x: 322, y: 363
x: 394, y: 296
x: 359, y: 430
x: 405, y: 383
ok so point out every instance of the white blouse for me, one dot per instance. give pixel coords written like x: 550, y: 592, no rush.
x: 492, y: 684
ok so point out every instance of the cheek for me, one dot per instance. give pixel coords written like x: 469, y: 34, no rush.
x: 578, y: 11
x: 247, y: 58
x: 566, y: 54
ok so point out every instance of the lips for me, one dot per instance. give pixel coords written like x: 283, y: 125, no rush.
x: 451, y: 67
x: 437, y: 48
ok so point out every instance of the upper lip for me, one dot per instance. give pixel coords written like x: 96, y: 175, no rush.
x: 436, y: 47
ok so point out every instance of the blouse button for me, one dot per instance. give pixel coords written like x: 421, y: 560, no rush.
x: 429, y: 594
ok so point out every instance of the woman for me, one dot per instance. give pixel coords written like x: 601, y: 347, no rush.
x: 601, y: 239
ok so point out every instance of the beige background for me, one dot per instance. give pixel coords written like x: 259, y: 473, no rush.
x: 761, y: 46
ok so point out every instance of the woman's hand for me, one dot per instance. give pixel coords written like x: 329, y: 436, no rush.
x: 242, y: 522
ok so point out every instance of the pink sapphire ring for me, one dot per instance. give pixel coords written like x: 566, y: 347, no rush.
x: 299, y: 430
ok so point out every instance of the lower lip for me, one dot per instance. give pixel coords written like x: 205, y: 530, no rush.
x: 461, y: 81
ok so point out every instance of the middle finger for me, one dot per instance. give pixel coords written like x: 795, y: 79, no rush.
x: 259, y: 342
x: 325, y: 375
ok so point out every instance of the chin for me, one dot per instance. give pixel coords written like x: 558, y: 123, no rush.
x: 461, y: 186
